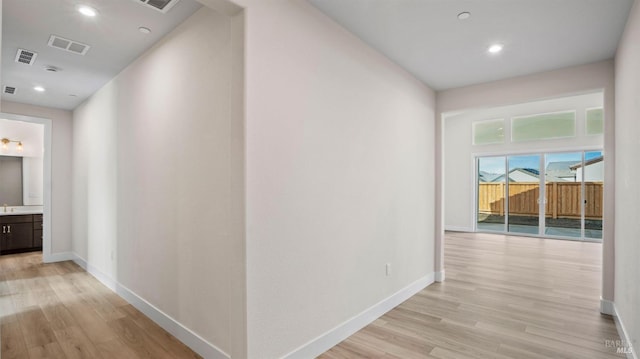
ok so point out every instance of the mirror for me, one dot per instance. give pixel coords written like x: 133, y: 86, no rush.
x: 21, y: 181
x: 11, y: 192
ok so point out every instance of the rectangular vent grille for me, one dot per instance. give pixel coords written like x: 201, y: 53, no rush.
x: 9, y: 90
x: 26, y: 57
x: 160, y: 5
x: 68, y: 45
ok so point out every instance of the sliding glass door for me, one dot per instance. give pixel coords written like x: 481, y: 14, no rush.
x: 592, y: 174
x: 546, y: 194
x: 563, y: 197
x: 523, y: 187
x: 491, y: 194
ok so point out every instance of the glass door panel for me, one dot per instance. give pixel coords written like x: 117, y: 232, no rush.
x: 563, y: 194
x: 572, y: 186
x: 491, y: 194
x: 593, y: 174
x: 524, y: 194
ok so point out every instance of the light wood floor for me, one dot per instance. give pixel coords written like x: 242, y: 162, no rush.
x: 503, y: 297
x: 60, y: 311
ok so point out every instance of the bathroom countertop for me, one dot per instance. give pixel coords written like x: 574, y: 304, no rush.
x: 19, y: 211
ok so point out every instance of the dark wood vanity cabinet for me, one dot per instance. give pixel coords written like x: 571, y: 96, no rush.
x: 20, y: 233
x: 37, y: 232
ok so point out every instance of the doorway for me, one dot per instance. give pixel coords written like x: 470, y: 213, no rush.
x: 36, y: 169
x: 556, y: 195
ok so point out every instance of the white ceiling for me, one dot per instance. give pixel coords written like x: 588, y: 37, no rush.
x: 426, y: 37
x: 423, y: 36
x: 113, y: 36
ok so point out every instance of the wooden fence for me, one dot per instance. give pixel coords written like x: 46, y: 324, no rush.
x: 562, y: 199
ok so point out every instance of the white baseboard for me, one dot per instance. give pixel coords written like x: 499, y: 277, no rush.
x: 606, y: 307
x: 624, y: 335
x: 184, y: 334
x: 334, y: 336
x: 439, y: 276
x: 58, y: 257
x: 458, y: 229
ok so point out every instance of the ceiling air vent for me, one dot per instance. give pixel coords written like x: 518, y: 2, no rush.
x: 26, y: 57
x: 9, y: 90
x: 160, y: 5
x: 68, y: 45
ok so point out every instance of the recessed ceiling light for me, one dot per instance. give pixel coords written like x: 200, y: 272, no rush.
x: 87, y: 11
x: 464, y: 15
x: 39, y: 88
x: 50, y: 68
x: 495, y: 48
x: 144, y: 30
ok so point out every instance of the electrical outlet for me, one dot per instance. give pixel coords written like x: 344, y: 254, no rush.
x: 387, y: 268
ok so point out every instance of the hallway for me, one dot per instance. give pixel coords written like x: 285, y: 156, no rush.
x: 503, y: 297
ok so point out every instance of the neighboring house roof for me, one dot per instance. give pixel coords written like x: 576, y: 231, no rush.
x: 529, y: 171
x: 535, y: 174
x: 526, y: 171
x: 561, y: 169
x: 587, y: 163
x: 484, y: 176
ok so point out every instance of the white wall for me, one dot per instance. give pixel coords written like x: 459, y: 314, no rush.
x: 158, y: 156
x: 32, y: 181
x: 339, y: 179
x: 627, y: 269
x: 516, y: 176
x: 1, y: 109
x: 340, y: 145
x: 547, y: 85
x: 593, y: 172
x: 459, y: 151
x: 61, y: 148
